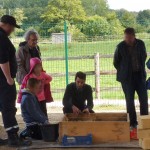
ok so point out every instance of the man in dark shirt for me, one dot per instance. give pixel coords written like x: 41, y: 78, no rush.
x: 76, y: 95
x: 8, y: 69
x: 129, y: 60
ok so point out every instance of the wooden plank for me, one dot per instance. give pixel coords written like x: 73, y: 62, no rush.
x: 102, y: 131
x: 140, y: 142
x: 107, y: 56
x: 143, y: 133
x: 63, y: 90
x: 144, y: 122
x: 69, y: 58
x: 105, y: 127
x: 98, y: 117
x: 146, y: 143
x: 111, y: 117
x: 79, y: 57
x: 70, y: 74
x: 97, y: 75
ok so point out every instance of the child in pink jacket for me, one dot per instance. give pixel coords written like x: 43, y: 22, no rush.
x: 36, y: 71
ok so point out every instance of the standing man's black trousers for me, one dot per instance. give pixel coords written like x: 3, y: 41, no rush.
x: 136, y: 84
x: 8, y: 109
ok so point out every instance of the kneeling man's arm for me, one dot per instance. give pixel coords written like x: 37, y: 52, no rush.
x: 90, y: 99
x: 67, y: 99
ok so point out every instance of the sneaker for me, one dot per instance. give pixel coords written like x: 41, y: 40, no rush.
x: 3, y: 142
x: 15, y: 141
x: 133, y: 134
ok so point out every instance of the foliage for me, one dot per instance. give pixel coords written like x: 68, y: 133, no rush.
x: 126, y: 18
x: 19, y: 15
x: 95, y: 7
x: 60, y: 10
x: 32, y: 9
x: 84, y: 17
x: 2, y: 11
x: 96, y: 25
x: 115, y: 26
x: 57, y: 28
x: 143, y: 18
x: 76, y: 33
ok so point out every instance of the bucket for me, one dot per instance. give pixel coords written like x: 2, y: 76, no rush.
x: 50, y: 132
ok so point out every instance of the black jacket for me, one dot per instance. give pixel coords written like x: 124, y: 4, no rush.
x: 7, y: 54
x: 73, y: 96
x: 122, y: 60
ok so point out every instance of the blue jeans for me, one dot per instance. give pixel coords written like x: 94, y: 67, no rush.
x: 136, y: 84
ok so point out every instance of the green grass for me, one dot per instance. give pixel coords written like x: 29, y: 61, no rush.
x: 82, y: 49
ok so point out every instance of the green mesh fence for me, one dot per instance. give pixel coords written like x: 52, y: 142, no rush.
x: 81, y: 52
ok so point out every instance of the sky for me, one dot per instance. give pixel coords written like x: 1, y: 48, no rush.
x: 130, y: 5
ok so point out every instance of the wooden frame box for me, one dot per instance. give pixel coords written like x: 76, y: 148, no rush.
x: 104, y: 127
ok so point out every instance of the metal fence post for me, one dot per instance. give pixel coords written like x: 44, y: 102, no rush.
x: 97, y: 75
x: 66, y: 51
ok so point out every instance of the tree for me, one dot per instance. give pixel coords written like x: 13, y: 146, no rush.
x: 10, y: 5
x: 33, y: 3
x: 2, y: 12
x: 19, y: 15
x: 127, y: 19
x: 115, y: 26
x: 95, y: 25
x: 33, y: 15
x: 95, y: 7
x: 33, y: 9
x: 143, y: 18
x: 60, y: 10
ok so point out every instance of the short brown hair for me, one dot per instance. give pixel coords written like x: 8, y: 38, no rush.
x: 80, y: 75
x: 32, y: 82
x: 130, y: 31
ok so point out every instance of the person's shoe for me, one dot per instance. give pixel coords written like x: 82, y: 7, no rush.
x: 133, y: 133
x: 25, y: 134
x: 3, y: 142
x: 15, y: 141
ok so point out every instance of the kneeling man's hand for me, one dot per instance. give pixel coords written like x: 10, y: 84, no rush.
x: 86, y: 111
x: 75, y: 110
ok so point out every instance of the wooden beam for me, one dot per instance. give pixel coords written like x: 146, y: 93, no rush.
x: 70, y: 58
x: 97, y: 75
x: 70, y: 74
x: 63, y: 90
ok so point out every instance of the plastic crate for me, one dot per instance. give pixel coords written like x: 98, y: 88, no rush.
x: 77, y: 140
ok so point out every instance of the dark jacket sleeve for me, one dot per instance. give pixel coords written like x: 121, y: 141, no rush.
x: 67, y: 99
x: 144, y: 50
x: 117, y: 58
x: 90, y: 98
x: 34, y: 110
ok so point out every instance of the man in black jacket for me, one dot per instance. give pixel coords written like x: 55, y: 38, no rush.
x: 8, y: 69
x: 129, y: 60
x: 76, y: 95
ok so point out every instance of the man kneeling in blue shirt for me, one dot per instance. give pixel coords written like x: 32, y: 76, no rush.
x: 78, y: 96
x: 31, y: 112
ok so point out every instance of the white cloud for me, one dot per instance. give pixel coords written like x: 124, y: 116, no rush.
x: 131, y: 5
